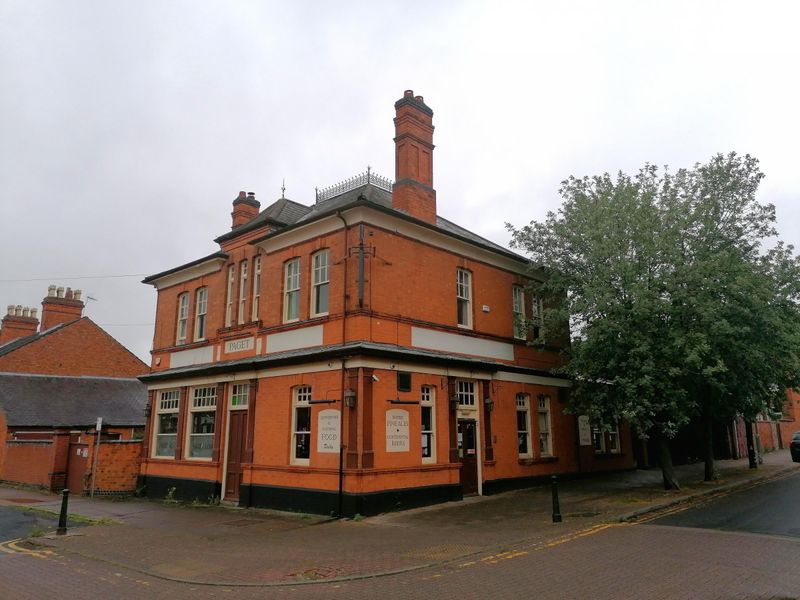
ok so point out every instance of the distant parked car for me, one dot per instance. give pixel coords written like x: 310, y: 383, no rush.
x: 794, y: 447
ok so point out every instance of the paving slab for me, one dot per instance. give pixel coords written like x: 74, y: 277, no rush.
x: 251, y: 547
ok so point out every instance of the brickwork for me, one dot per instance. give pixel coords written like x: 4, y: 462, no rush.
x: 29, y: 462
x: 118, y: 466
x: 77, y: 348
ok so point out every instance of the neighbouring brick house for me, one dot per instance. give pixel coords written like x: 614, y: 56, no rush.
x: 359, y: 354
x: 55, y: 381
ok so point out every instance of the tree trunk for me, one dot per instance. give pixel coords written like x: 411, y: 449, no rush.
x: 665, y: 460
x: 751, y: 444
x: 708, y: 445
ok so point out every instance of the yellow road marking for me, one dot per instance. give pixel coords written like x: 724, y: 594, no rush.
x: 13, y: 547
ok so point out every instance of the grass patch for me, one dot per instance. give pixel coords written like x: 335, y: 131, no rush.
x: 71, y: 518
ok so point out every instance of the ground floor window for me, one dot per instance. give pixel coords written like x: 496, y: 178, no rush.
x: 166, y: 425
x: 523, y: 426
x: 605, y: 439
x: 427, y: 417
x: 545, y: 441
x: 301, y: 425
x: 202, y: 417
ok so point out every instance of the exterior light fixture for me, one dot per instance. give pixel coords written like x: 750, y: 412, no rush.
x: 453, y: 402
x: 488, y: 403
x: 350, y: 398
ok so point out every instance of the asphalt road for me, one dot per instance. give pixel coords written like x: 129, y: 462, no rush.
x: 16, y: 523
x: 771, y: 508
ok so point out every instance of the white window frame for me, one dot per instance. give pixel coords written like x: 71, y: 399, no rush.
x: 200, y: 313
x: 464, y: 298
x: 169, y: 403
x: 182, y: 326
x: 427, y: 403
x: 242, y: 292
x: 203, y: 399
x: 301, y: 399
x: 239, y: 397
x: 537, y: 317
x: 256, y: 287
x: 320, y: 279
x: 467, y: 393
x: 545, y: 424
x: 229, y: 296
x: 291, y: 289
x: 523, y: 404
x: 518, y: 311
x: 602, y: 438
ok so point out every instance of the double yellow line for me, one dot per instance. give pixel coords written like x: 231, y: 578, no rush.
x: 13, y: 547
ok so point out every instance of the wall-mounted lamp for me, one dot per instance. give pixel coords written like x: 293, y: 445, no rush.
x: 350, y: 398
x: 488, y: 403
x: 147, y: 411
x: 453, y: 402
x: 375, y: 378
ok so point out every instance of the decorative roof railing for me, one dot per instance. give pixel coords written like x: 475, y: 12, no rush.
x: 352, y: 183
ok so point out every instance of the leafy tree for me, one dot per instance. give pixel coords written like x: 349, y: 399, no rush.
x: 676, y: 308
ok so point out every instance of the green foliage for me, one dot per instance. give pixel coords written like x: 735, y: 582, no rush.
x: 676, y: 306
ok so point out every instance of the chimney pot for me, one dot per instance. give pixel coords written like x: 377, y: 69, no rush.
x: 18, y: 310
x: 51, y: 290
x: 34, y: 313
x: 420, y: 98
x: 77, y: 295
x: 10, y: 310
x: 242, y: 194
x: 68, y: 294
x: 26, y: 312
x: 60, y: 291
x: 251, y: 194
x: 408, y: 93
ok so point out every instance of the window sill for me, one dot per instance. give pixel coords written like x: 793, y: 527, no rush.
x: 537, y: 461
x: 608, y: 455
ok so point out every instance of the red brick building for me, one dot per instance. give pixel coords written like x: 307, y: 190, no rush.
x: 361, y: 353
x: 55, y: 381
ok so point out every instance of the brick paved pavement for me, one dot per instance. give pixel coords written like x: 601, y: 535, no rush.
x: 155, y: 542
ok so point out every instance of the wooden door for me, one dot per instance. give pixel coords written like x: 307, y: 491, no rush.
x: 468, y: 454
x: 77, y: 467
x: 237, y: 434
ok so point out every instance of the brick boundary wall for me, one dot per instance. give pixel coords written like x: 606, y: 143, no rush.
x: 117, y: 467
x: 29, y: 461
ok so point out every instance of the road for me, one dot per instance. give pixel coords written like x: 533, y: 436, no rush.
x: 18, y: 522
x: 770, y: 509
x: 737, y: 546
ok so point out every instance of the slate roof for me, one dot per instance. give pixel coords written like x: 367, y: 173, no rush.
x: 281, y: 213
x: 53, y: 401
x: 198, y: 261
x: 18, y: 343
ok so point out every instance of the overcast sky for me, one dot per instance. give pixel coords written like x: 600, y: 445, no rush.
x: 127, y: 128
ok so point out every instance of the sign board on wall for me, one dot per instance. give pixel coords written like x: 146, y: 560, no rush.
x: 239, y: 345
x: 329, y: 424
x: 397, y: 430
x: 584, y: 431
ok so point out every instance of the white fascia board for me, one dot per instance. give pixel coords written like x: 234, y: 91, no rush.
x: 301, y: 234
x: 208, y: 267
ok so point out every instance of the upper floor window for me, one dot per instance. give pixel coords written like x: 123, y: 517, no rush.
x: 465, y: 392
x: 291, y: 290
x: 200, y: 310
x: 301, y: 425
x: 428, y: 422
x: 537, y: 316
x: 229, y: 296
x: 242, y: 291
x: 524, y: 426
x: 183, y: 318
x: 464, y: 297
x: 166, y: 424
x: 202, y: 417
x: 256, y: 286
x: 545, y: 439
x: 320, y: 283
x: 518, y: 311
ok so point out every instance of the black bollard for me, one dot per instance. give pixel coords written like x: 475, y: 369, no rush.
x: 556, y: 507
x: 62, y: 518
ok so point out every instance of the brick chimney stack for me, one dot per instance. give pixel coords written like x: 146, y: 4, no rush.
x: 245, y: 208
x: 61, y: 306
x: 413, y: 190
x: 18, y: 322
